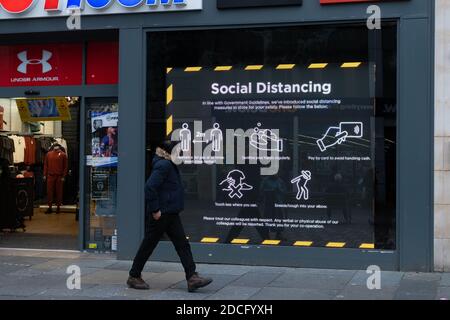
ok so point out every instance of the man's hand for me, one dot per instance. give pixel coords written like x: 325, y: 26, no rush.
x: 157, y: 215
x: 45, y: 178
x: 63, y: 179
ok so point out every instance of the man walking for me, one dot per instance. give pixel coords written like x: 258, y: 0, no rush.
x: 164, y: 197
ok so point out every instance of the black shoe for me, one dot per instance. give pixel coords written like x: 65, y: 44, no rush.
x: 58, y: 210
x: 195, y: 282
x: 137, y: 283
x: 49, y: 211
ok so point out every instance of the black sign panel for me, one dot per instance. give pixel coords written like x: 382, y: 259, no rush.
x: 276, y: 152
x: 233, y: 4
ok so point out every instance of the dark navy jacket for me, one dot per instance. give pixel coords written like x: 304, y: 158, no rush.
x: 164, y: 189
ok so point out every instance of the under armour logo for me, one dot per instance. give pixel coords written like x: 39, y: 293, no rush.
x: 23, y: 56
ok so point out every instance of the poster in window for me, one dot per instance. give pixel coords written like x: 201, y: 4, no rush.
x: 105, y: 139
x: 281, y: 153
x: 100, y: 186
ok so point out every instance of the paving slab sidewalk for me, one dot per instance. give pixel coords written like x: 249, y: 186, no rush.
x: 42, y: 275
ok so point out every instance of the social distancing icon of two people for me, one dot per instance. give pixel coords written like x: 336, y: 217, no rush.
x: 215, y: 137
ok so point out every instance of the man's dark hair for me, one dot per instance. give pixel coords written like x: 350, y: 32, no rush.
x: 167, y: 145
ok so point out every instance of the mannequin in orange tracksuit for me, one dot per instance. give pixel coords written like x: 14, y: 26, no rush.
x: 55, y: 171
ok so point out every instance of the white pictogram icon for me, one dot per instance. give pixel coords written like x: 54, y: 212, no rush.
x: 215, y: 137
x: 354, y: 129
x: 186, y: 138
x: 338, y: 135
x: 301, y: 181
x: 266, y: 140
x: 23, y: 57
x: 235, y: 184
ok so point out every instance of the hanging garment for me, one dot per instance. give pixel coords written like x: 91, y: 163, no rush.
x: 30, y: 151
x: 7, y: 149
x: 43, y: 145
x: 19, y: 146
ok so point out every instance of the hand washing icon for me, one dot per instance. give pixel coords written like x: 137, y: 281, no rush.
x: 266, y: 140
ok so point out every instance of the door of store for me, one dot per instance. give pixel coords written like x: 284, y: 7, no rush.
x: 39, y: 157
x: 100, y: 174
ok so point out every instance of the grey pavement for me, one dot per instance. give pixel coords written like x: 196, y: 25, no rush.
x: 42, y: 275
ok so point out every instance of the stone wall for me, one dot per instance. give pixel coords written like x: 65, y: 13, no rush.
x: 442, y: 138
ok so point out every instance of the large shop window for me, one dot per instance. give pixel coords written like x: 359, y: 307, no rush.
x: 287, y: 136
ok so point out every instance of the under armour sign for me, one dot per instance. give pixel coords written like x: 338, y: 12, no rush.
x: 11, y: 9
x: 41, y: 65
x: 23, y: 56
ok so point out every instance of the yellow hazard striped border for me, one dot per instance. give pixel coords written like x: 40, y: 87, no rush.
x: 367, y: 246
x: 271, y: 242
x: 169, y: 94
x: 303, y: 243
x: 240, y: 241
x: 351, y: 64
x: 335, y: 244
x: 318, y: 65
x: 300, y: 243
x: 169, y: 125
x: 209, y: 240
x: 281, y: 66
x: 169, y: 99
x: 193, y: 69
x: 223, y: 68
x: 285, y: 66
x: 254, y: 67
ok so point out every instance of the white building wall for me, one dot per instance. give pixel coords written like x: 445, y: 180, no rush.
x: 442, y: 138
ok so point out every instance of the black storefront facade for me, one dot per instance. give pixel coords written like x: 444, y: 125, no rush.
x: 341, y: 115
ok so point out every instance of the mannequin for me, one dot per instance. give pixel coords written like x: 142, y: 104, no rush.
x: 55, y: 171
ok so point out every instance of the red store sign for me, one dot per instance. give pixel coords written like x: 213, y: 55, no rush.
x: 41, y: 65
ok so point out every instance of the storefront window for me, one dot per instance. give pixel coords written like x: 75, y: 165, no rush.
x: 102, y: 142
x: 287, y: 136
x: 39, y: 161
